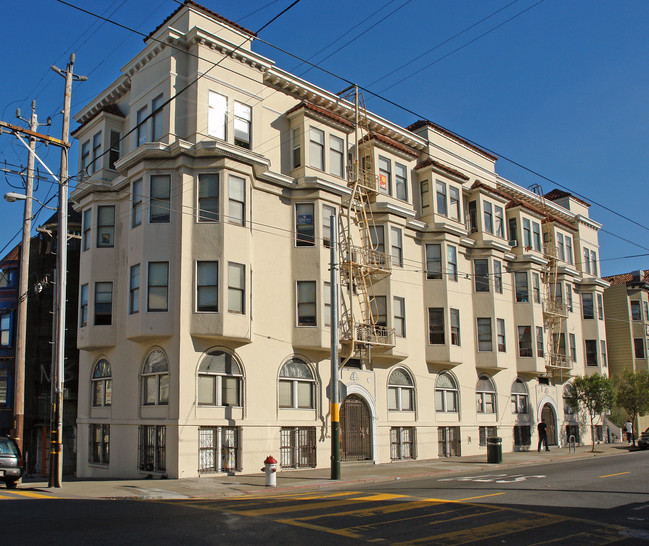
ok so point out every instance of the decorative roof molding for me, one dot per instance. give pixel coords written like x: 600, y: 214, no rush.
x: 442, y: 169
x: 445, y: 132
x: 317, y: 112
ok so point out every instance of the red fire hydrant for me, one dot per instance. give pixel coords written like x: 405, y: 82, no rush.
x: 270, y: 468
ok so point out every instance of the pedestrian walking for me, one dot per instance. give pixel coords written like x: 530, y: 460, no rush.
x: 543, y: 435
x: 628, y: 427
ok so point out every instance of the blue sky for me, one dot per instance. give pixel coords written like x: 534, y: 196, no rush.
x: 558, y: 87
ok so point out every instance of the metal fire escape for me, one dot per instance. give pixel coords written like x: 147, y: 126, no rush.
x: 362, y: 263
x: 555, y: 311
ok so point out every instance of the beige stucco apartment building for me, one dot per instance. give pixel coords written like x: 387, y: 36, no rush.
x: 210, y: 178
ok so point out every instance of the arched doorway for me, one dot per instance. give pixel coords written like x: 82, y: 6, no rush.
x: 355, y: 429
x: 550, y: 417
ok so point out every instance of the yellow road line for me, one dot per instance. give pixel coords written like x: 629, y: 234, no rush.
x: 329, y: 530
x: 481, y: 496
x: 490, y: 531
x: 383, y: 510
x: 305, y: 507
x: 28, y: 494
x: 618, y: 474
x: 594, y: 538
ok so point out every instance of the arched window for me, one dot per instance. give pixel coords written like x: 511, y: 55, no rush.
x: 296, y: 385
x: 446, y: 394
x: 401, y: 391
x: 102, y: 384
x: 568, y: 394
x: 219, y: 380
x: 155, y: 379
x: 520, y: 398
x: 485, y: 395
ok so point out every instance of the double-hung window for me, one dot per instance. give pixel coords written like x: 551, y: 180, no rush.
x: 455, y: 327
x: 316, y: 148
x: 635, y: 310
x: 452, y: 263
x: 242, y: 124
x: 385, y: 175
x: 500, y: 326
x: 236, y: 200
x: 401, y: 181
x: 433, y: 261
x: 136, y: 203
x: 498, y: 276
x: 600, y: 307
x: 536, y: 232
x: 401, y: 391
x: 304, y: 226
x: 208, y: 197
x: 525, y: 341
x: 87, y: 220
x: 337, y: 156
x: 96, y: 153
x: 488, y: 217
x: 569, y: 257
x: 85, y: 159
x: 591, y: 352
x: 561, y: 247
x: 105, y: 226
x: 513, y: 230
x: 587, y: 305
x: 296, y: 385
x: 306, y: 303
x: 593, y: 262
x: 638, y: 345
x: 207, y: 286
x: 454, y: 208
x: 236, y: 288
x: 134, y: 290
x: 114, y: 150
x: 484, y: 334
x: 436, y: 326
x: 481, y: 274
x: 103, y: 303
x: 500, y: 221
x: 539, y: 342
x: 217, y: 115
x: 219, y: 380
x: 399, y: 312
x: 396, y: 242
x: 83, y: 306
x: 160, y: 199
x: 485, y: 395
x: 536, y: 287
x: 586, y: 263
x: 327, y: 214
x: 424, y: 195
x: 99, y: 452
x: 326, y: 301
x: 5, y: 330
x: 158, y: 287
x: 296, y: 147
x: 527, y: 233
x: 522, y: 290
x: 378, y: 307
x: 442, y: 205
x: 156, y: 118
x: 141, y: 120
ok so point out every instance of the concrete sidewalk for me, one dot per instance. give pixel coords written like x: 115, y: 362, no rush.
x: 294, y: 480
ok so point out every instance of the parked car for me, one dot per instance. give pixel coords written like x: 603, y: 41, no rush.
x: 12, y: 466
x: 643, y: 441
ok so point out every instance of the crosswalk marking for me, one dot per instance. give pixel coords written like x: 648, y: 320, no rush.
x: 7, y: 495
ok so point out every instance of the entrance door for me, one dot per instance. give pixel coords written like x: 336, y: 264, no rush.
x: 551, y: 421
x: 356, y: 430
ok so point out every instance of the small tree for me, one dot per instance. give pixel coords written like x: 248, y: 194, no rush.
x: 595, y: 395
x: 632, y: 390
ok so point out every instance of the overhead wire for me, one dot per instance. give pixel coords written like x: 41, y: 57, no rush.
x: 343, y: 79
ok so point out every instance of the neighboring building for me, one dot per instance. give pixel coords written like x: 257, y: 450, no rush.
x: 626, y: 303
x: 9, y: 270
x: 40, y: 333
x: 38, y: 357
x: 467, y: 301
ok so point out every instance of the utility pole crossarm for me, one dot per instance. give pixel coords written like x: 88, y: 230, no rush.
x: 10, y: 128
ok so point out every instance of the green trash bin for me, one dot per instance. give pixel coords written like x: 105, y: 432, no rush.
x: 495, y: 450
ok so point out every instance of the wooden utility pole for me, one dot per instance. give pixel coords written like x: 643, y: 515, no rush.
x: 58, y: 363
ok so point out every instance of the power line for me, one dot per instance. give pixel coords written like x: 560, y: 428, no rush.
x: 372, y: 93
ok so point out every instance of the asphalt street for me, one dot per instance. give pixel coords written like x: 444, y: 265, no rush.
x: 589, y: 501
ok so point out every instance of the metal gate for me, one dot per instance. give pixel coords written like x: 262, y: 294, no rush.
x: 356, y: 430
